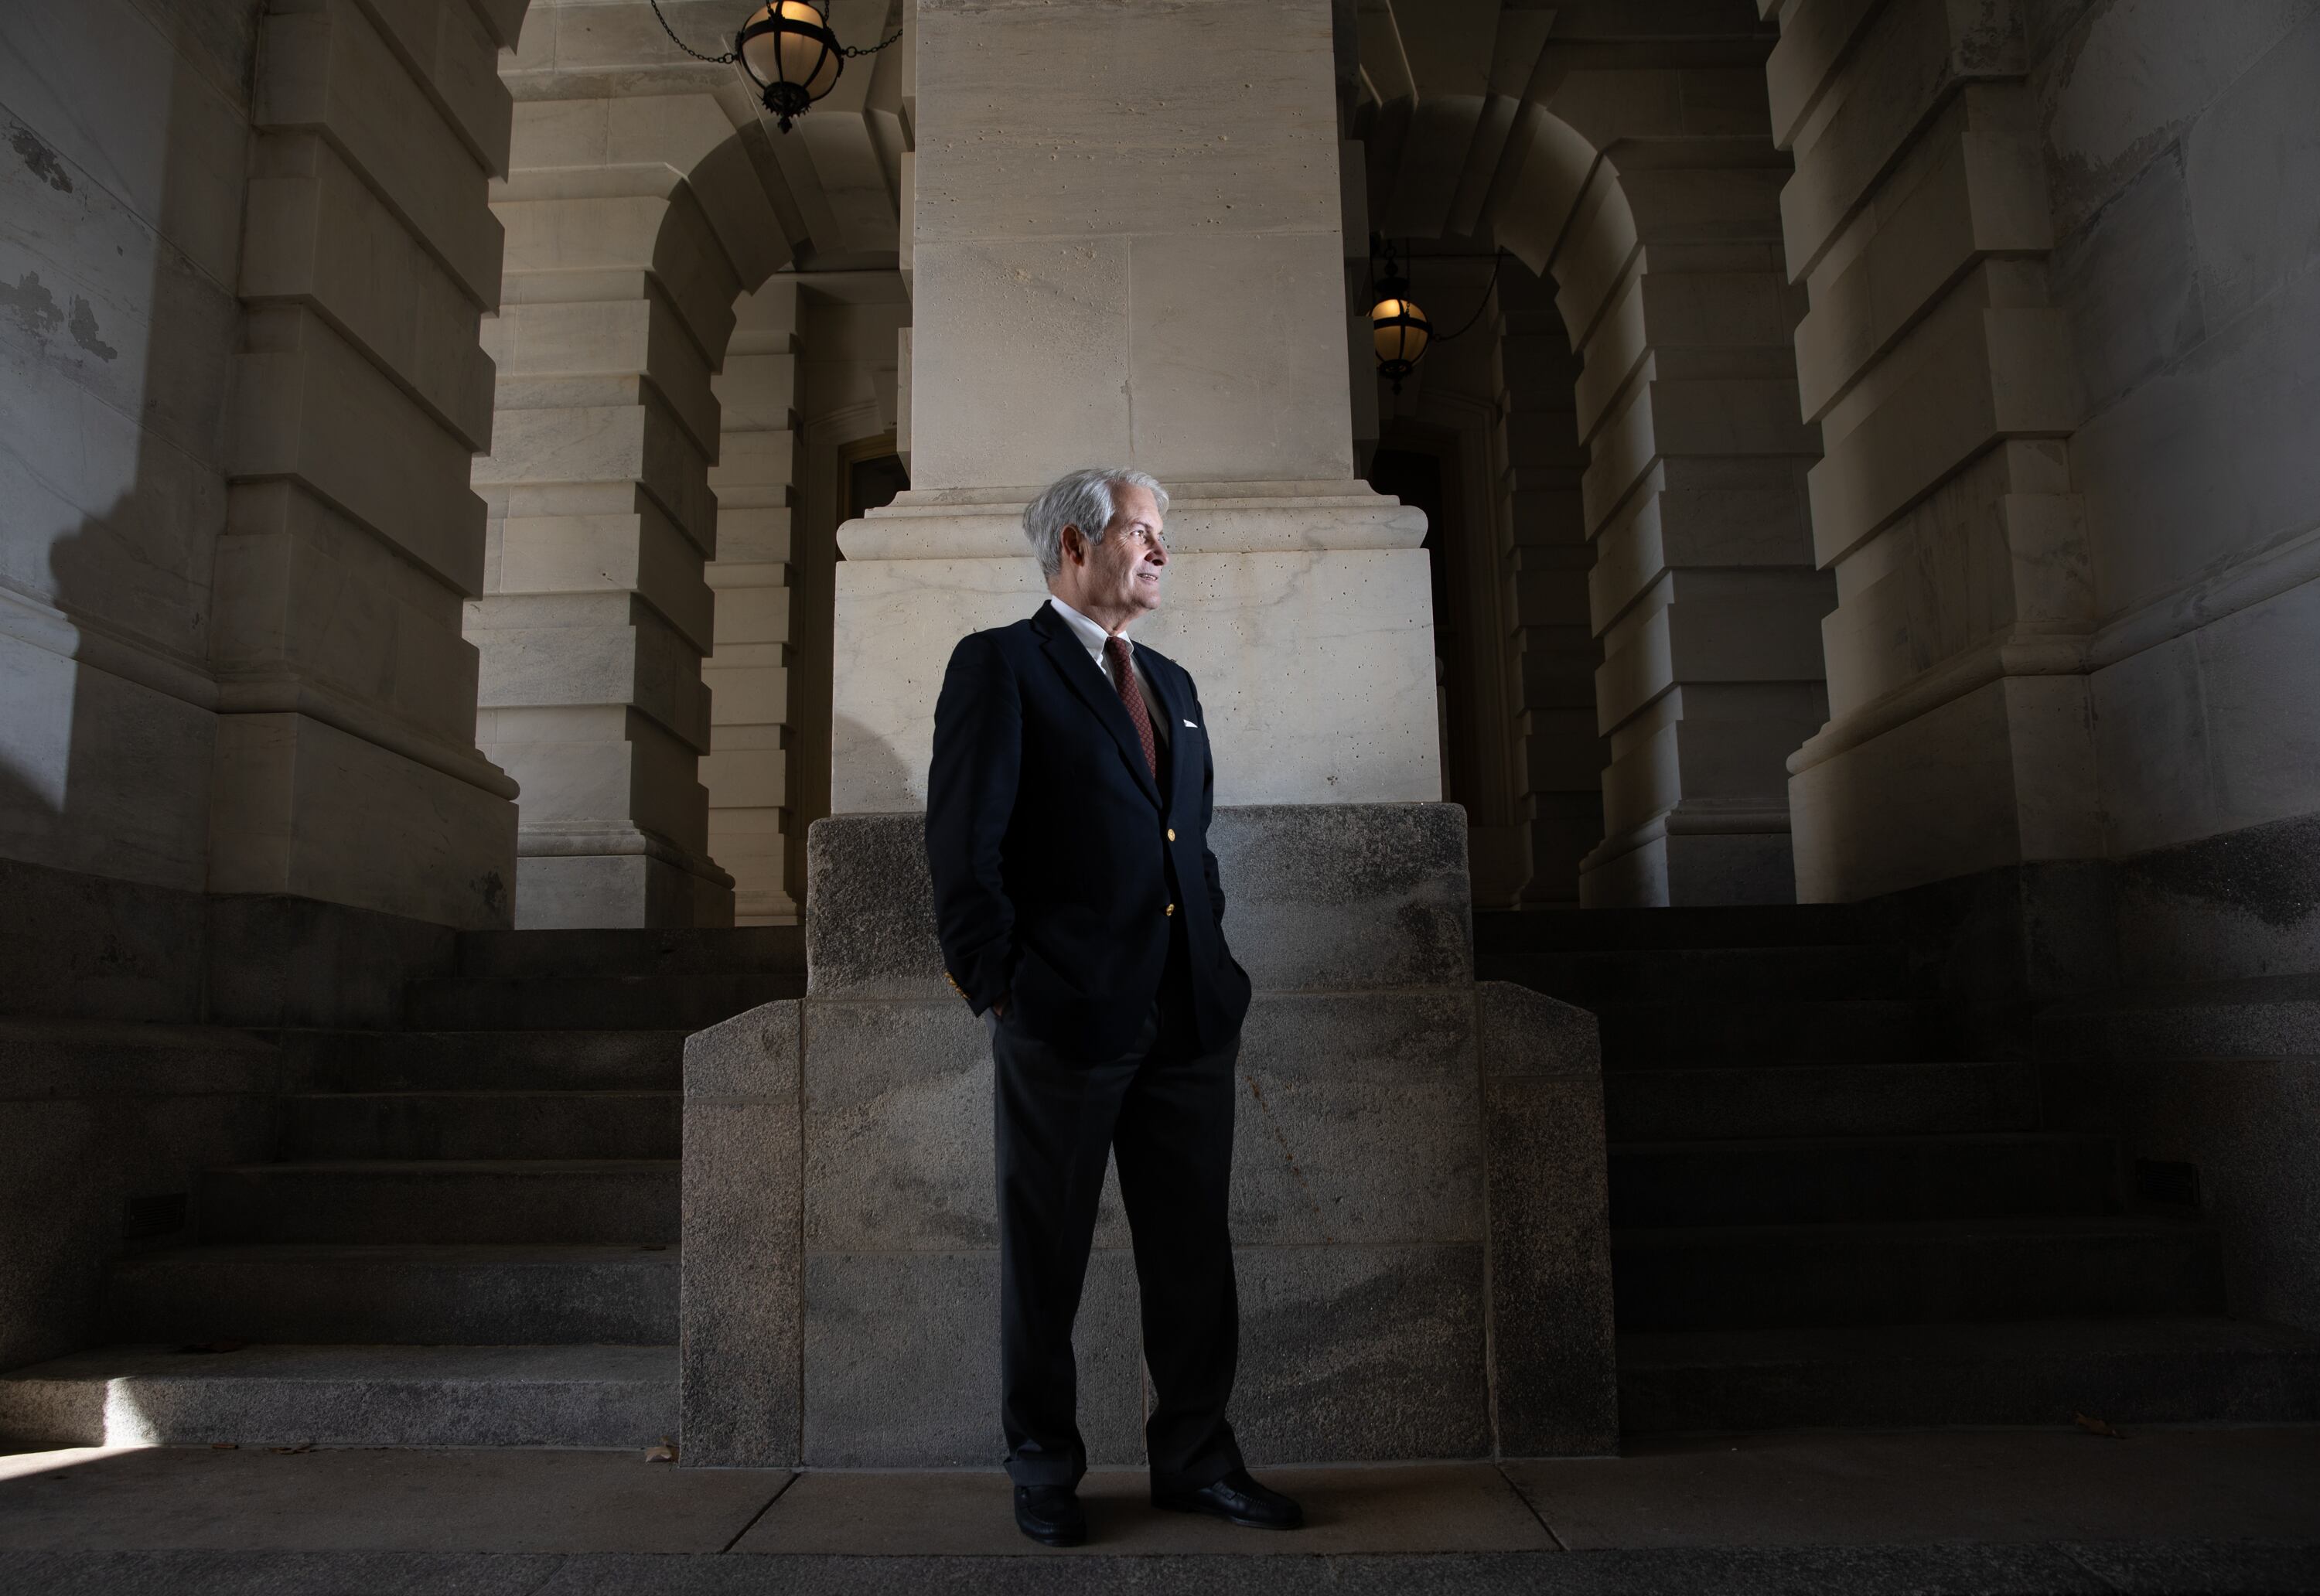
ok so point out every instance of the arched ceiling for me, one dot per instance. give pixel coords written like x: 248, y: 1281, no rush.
x: 1441, y: 92
x: 834, y: 180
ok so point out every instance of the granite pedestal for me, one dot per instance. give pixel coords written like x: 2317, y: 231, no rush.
x: 1419, y: 1196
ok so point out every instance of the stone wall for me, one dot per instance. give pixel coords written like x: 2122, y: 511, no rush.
x: 2065, y: 291
x: 120, y: 258
x: 2182, y: 153
x: 243, y: 388
x: 244, y: 257
x: 2057, y: 349
x: 1937, y: 368
x: 1417, y: 1182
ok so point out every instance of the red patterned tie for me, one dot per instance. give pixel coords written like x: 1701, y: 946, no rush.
x: 1131, y: 699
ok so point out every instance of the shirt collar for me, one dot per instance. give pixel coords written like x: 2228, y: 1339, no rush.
x: 1092, y: 635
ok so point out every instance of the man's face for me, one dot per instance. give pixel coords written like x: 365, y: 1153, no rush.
x: 1118, y: 579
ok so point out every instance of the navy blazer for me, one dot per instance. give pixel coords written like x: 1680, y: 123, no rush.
x: 1060, y: 866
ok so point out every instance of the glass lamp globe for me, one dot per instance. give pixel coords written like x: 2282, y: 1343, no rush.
x: 789, y: 52
x: 1398, y: 332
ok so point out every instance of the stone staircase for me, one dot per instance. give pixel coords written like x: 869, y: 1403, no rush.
x: 468, y: 1235
x: 1823, y: 1214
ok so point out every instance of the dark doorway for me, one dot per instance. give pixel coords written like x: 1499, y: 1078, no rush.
x: 872, y: 484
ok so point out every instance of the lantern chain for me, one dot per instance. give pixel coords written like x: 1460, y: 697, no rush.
x: 1499, y: 261
x: 726, y: 59
x: 730, y: 57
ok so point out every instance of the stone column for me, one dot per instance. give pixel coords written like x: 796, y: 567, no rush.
x: 346, y: 765
x: 748, y: 672
x: 1126, y: 250
x: 620, y: 289
x: 1960, y: 736
x: 1665, y: 249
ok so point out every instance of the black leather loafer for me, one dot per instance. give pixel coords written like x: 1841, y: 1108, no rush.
x: 1237, y: 1500
x: 1050, y: 1514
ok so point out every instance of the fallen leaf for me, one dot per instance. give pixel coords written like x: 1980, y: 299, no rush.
x: 2094, y: 1426
x: 225, y: 1446
x: 664, y: 1453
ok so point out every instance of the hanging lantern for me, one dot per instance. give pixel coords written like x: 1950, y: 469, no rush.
x: 787, y: 52
x: 790, y: 53
x: 1399, y: 329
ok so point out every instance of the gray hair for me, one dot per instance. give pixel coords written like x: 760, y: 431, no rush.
x: 1082, y: 499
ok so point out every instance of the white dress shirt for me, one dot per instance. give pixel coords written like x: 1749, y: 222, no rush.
x: 1092, y: 638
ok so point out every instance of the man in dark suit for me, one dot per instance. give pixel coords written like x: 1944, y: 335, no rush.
x: 1081, y: 915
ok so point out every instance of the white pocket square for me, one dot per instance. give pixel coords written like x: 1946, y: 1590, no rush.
x: 1190, y: 723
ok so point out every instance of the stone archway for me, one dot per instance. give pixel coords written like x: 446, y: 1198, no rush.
x: 636, y: 222
x: 1523, y: 757
x: 1649, y: 195
x: 808, y: 392
x: 1702, y: 591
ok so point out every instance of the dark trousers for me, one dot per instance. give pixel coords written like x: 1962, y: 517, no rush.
x: 1165, y: 1111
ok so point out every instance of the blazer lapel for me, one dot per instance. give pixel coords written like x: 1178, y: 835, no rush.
x: 1093, y: 685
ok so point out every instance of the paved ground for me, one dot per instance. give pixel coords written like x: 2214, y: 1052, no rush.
x: 1965, y: 1511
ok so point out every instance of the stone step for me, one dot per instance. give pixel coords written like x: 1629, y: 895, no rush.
x: 2258, y: 1017
x: 2124, y: 1371
x: 346, y: 1396
x: 483, y: 1060
x: 597, y: 952
x: 492, y: 1061
x: 1733, y: 1277
x: 469, y: 1295
x: 471, y: 1125
x: 603, y: 1199
x: 1817, y: 1099
x: 1866, y: 1030
x: 680, y: 1002
x: 1516, y: 932
x: 1593, y: 978
x: 45, y: 1057
x: 1850, y: 1180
